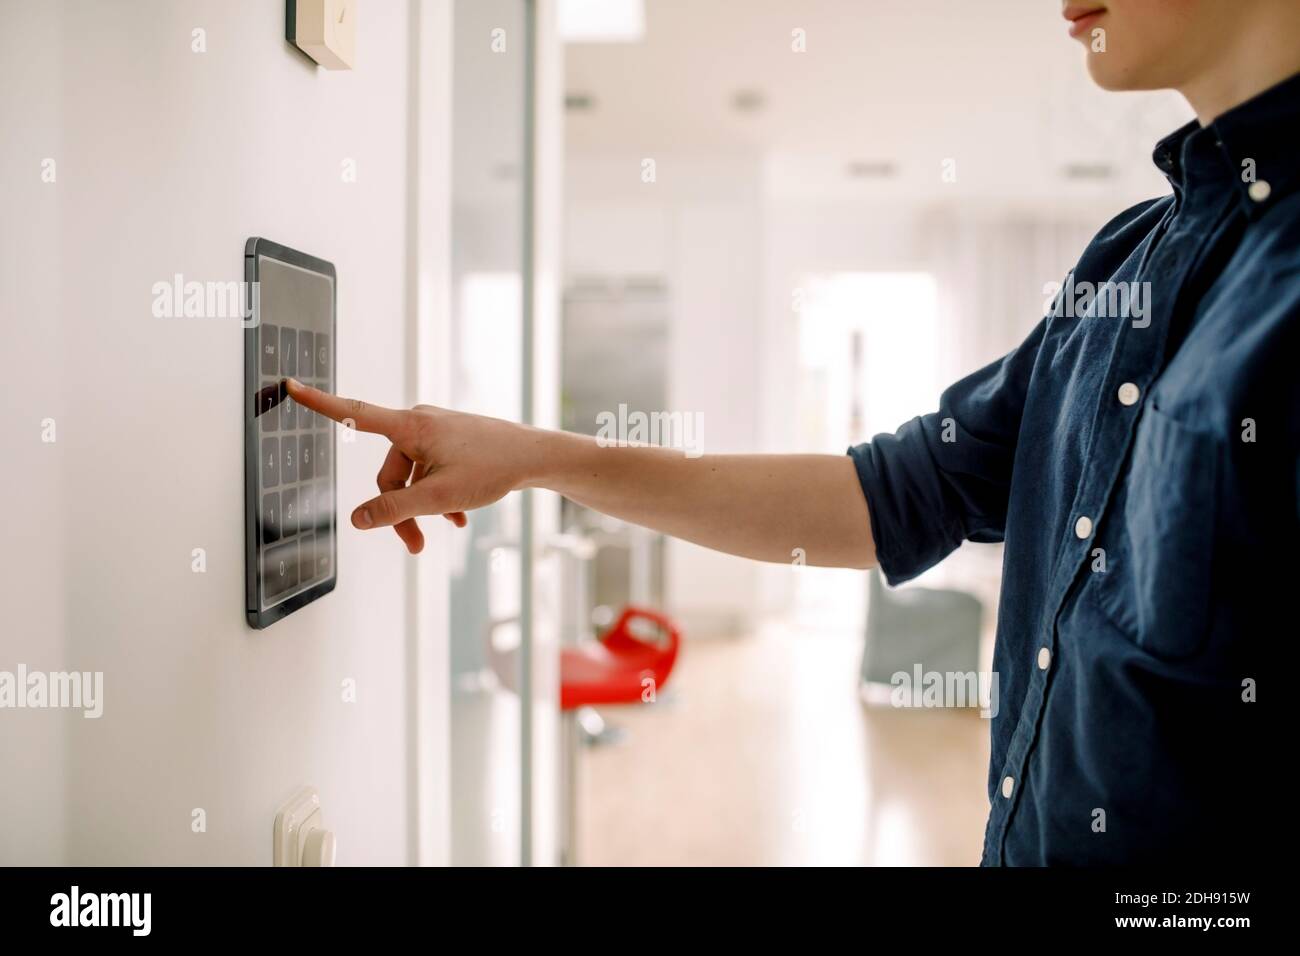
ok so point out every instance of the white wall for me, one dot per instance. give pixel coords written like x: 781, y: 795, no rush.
x: 32, y: 742
x: 167, y: 160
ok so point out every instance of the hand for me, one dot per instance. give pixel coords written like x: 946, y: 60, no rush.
x: 441, y: 462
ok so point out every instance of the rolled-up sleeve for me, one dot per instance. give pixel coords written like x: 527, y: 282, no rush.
x: 945, y: 477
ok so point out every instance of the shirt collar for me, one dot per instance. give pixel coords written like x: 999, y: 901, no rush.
x: 1254, y: 149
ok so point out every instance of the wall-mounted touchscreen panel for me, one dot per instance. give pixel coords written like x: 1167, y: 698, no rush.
x: 289, y: 521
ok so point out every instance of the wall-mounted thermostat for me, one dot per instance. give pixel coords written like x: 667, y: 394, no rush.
x: 326, y: 30
x: 289, y: 492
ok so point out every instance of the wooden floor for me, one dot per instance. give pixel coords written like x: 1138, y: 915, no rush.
x: 761, y: 752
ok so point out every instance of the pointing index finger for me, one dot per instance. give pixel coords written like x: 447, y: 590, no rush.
x: 362, y: 415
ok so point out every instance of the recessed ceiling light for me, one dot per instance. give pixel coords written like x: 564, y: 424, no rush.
x: 1093, y: 171
x: 601, y: 21
x: 871, y: 169
x: 748, y: 101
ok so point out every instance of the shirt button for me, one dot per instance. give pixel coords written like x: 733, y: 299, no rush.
x: 1083, y: 527
x: 1128, y: 394
x: 1260, y: 190
x: 1044, y: 658
x: 1007, y: 784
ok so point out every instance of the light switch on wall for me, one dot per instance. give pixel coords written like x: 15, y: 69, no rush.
x: 300, y: 835
x: 326, y: 30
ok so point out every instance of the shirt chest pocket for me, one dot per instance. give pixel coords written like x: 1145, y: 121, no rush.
x: 1161, y: 537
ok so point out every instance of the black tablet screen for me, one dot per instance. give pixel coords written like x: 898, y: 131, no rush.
x: 293, y: 481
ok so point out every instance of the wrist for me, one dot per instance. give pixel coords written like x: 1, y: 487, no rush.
x: 547, y: 457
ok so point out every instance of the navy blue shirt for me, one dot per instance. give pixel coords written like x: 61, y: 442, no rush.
x: 1138, y: 455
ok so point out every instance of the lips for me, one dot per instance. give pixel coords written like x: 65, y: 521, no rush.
x: 1082, y: 17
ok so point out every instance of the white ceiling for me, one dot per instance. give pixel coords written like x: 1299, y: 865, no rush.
x: 997, y: 85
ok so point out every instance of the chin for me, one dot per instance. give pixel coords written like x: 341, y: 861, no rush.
x: 1109, y: 73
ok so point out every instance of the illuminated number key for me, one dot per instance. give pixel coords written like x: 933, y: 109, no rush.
x: 324, y: 504
x: 322, y: 357
x: 288, y: 352
x: 307, y: 509
x: 281, y: 571
x: 271, y: 517
x: 267, y: 398
x: 306, y: 559
x: 323, y: 549
x: 306, y: 361
x: 270, y: 462
x: 289, y: 458
x: 269, y: 339
x: 322, y: 464
x: 289, y: 511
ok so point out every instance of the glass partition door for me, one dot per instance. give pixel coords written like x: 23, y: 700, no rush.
x: 490, y: 90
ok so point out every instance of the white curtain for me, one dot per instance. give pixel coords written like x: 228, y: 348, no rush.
x: 991, y: 273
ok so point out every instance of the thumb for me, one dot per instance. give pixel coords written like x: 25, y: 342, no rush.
x: 394, y: 507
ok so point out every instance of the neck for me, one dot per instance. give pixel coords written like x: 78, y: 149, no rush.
x: 1260, y: 54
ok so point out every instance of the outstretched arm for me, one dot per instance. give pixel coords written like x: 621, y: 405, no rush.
x: 757, y: 506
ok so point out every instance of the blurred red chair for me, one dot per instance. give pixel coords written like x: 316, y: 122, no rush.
x: 620, y: 666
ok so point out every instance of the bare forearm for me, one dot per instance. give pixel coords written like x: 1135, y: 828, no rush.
x: 769, y: 507
x: 766, y: 507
